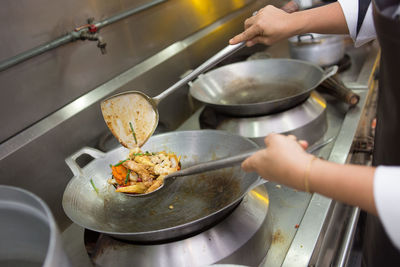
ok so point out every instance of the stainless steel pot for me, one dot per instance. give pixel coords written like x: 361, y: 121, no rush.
x: 258, y: 87
x: 187, y: 205
x: 28, y: 232
x: 321, y: 49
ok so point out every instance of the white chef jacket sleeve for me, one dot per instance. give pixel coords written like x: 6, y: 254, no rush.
x: 387, y: 200
x: 367, y: 30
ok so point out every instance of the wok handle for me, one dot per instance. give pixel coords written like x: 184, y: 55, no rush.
x: 336, y: 88
x: 329, y: 72
x: 211, y: 62
x: 71, y: 160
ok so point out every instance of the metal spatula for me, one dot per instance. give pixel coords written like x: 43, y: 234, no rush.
x: 132, y: 116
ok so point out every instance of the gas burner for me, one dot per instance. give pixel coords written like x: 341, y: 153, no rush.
x: 307, y: 121
x: 243, y: 237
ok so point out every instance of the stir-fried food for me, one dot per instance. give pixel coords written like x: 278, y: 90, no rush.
x: 143, y: 172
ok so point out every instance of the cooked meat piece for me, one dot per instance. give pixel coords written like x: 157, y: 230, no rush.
x: 155, y: 159
x: 140, y: 169
x: 156, y: 184
x: 145, y: 161
x: 133, y: 177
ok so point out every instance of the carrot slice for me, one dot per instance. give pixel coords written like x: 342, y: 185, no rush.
x: 119, y: 173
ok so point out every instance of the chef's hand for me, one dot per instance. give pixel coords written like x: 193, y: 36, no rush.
x: 268, y: 26
x: 291, y: 7
x: 284, y: 160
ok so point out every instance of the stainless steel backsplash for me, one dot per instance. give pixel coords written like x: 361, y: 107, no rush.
x: 50, y: 104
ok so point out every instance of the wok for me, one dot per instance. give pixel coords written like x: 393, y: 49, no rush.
x: 259, y: 87
x: 185, y: 206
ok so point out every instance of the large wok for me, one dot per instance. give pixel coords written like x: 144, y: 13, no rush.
x: 187, y: 205
x: 259, y: 87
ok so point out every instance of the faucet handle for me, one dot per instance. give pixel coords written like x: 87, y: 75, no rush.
x: 102, y: 45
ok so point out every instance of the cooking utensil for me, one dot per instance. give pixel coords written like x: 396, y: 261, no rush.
x: 258, y: 87
x: 185, y: 206
x: 132, y: 116
x: 321, y: 49
x: 222, y: 163
x: 29, y: 234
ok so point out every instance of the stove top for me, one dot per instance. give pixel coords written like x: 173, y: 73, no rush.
x: 287, y: 206
x: 273, y: 225
x: 300, y: 219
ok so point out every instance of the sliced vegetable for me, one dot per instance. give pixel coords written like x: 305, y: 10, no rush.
x: 133, y: 132
x: 175, y: 159
x: 119, y: 173
x: 144, y: 154
x: 119, y: 163
x: 138, y: 188
x: 127, y: 176
x: 94, y: 187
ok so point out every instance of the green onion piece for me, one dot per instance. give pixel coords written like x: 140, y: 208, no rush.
x: 119, y: 163
x: 143, y: 154
x: 127, y: 176
x: 133, y: 132
x: 94, y: 187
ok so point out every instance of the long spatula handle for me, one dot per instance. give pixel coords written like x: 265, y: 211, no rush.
x: 214, y: 164
x: 211, y: 62
x: 233, y: 160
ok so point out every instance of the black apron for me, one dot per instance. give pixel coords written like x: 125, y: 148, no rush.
x: 378, y: 250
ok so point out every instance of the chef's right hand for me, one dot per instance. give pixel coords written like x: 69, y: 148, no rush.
x: 268, y: 26
x: 284, y: 160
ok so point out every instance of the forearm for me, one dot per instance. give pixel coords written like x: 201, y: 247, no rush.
x: 328, y: 19
x: 351, y: 184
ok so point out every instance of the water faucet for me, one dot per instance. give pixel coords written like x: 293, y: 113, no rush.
x: 91, y: 32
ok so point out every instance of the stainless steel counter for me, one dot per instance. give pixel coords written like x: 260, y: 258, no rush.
x: 317, y: 216
x: 316, y: 241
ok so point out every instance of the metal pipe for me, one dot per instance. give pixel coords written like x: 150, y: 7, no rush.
x: 128, y: 13
x: 347, y: 242
x: 71, y: 37
x: 34, y: 52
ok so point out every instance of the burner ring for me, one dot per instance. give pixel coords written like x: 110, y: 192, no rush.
x: 307, y: 121
x: 247, y: 231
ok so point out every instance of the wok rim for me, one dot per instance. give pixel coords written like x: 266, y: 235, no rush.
x: 177, y: 227
x: 304, y: 93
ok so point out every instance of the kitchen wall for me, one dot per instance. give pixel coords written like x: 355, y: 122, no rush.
x: 50, y: 103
